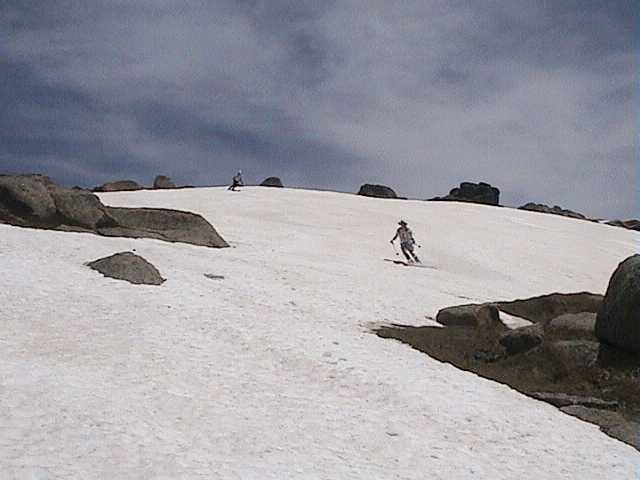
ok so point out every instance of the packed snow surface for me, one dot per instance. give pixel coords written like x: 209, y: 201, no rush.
x: 272, y: 372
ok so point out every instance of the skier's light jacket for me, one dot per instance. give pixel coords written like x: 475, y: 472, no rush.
x: 405, y: 235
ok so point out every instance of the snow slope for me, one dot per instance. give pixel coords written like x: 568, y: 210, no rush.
x: 273, y: 372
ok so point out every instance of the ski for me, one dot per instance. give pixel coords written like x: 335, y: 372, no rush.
x: 407, y: 264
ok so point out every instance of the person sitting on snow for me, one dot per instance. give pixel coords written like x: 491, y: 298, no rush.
x: 407, y: 241
x: 236, y: 181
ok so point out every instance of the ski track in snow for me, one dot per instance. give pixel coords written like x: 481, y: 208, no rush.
x: 273, y: 372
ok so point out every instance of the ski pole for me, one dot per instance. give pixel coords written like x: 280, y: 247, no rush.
x: 394, y: 248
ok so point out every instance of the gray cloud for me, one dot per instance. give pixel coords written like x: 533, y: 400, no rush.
x: 534, y: 97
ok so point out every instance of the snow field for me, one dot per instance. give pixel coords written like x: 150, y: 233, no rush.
x: 273, y: 372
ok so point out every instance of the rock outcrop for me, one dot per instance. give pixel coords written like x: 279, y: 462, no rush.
x: 163, y: 224
x: 481, y: 192
x: 632, y: 224
x: 35, y: 201
x: 459, y: 316
x: 25, y: 199
x: 555, y: 210
x: 272, y: 182
x: 129, y: 267
x: 618, y: 321
x: 119, y: 186
x: 536, y: 309
x: 556, y: 359
x: 80, y: 208
x: 162, y: 182
x: 547, y: 307
x: 378, y: 191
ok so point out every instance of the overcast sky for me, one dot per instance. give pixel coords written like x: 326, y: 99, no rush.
x: 535, y: 97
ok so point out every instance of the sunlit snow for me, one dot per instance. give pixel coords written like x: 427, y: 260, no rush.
x: 272, y: 372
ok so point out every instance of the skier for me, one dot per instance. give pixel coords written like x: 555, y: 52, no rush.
x: 236, y: 181
x: 405, y: 235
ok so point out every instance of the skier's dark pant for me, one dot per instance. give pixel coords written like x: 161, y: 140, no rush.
x: 407, y: 249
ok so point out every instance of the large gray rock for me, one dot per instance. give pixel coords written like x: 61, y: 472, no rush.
x: 129, y: 267
x: 163, y: 224
x: 522, y: 339
x: 119, y: 186
x: 162, y: 182
x: 483, y: 316
x: 555, y: 210
x: 272, y: 182
x: 473, y: 193
x: 459, y: 316
x: 80, y: 208
x: 35, y: 201
x: 378, y: 191
x: 25, y: 200
x: 618, y: 322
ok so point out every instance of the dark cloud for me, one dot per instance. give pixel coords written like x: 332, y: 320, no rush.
x: 536, y: 97
x: 282, y: 149
x: 36, y: 124
x: 27, y: 92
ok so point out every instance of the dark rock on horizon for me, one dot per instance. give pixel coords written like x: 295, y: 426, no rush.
x: 631, y: 224
x: 119, y: 186
x: 618, y: 321
x: 35, y: 201
x: 377, y: 191
x: 555, y: 210
x: 470, y: 192
x: 129, y: 267
x: 272, y: 182
x: 162, y: 182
